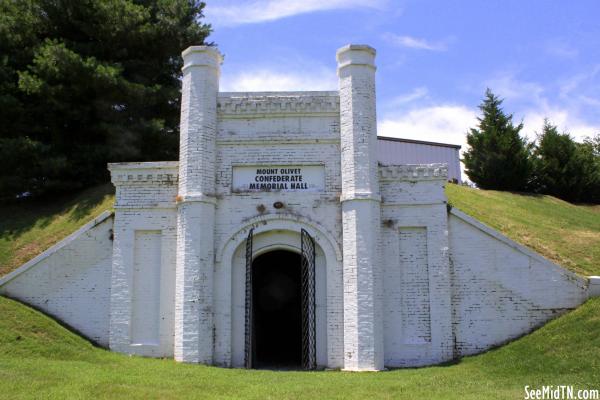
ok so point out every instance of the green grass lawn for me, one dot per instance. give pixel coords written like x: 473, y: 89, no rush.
x: 41, y: 359
x: 562, y: 232
x: 31, y: 227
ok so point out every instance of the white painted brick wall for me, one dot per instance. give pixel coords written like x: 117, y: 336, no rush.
x: 502, y: 290
x: 414, y: 200
x: 71, y: 280
x: 145, y: 202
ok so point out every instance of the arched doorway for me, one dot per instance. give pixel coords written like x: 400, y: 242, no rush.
x: 304, y: 286
x: 277, y: 310
x: 235, y: 259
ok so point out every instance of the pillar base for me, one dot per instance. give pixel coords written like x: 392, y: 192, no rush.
x: 363, y: 370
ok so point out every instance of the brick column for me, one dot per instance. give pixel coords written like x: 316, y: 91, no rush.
x: 196, y: 206
x: 361, y: 209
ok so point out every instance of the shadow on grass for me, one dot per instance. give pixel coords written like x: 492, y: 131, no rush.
x: 90, y: 200
x: 16, y: 218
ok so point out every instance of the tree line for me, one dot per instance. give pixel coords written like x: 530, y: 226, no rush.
x: 499, y: 158
x: 86, y: 82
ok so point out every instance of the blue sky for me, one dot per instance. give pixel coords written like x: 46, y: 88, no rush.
x: 435, y: 58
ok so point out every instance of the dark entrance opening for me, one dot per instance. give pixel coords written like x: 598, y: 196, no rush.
x: 277, y: 313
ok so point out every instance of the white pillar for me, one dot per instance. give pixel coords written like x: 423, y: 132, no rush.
x: 196, y: 205
x: 361, y: 210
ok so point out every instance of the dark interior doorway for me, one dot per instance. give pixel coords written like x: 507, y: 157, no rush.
x: 277, y: 315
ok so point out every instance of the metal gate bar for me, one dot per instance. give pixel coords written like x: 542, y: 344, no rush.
x: 249, y: 345
x: 309, y: 350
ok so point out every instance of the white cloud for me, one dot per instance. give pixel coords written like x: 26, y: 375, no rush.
x: 442, y: 123
x: 235, y: 12
x: 418, y: 93
x: 560, y: 49
x: 534, y: 102
x: 414, y: 43
x: 573, y: 86
x: 264, y: 79
x: 563, y: 118
x: 507, y: 86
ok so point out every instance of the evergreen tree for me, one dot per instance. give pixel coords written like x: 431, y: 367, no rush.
x: 591, y: 147
x: 564, y: 168
x: 589, y: 154
x: 557, y: 171
x: 86, y: 82
x: 497, y: 157
x: 594, y: 143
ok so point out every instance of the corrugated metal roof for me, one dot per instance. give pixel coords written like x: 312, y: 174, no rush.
x: 393, y: 139
x: 408, y: 151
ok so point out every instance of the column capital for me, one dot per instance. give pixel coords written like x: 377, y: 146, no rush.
x: 202, y: 56
x: 356, y: 54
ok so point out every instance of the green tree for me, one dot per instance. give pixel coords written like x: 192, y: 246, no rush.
x: 594, y: 143
x: 497, y: 157
x: 86, y: 82
x: 589, y: 153
x: 565, y: 168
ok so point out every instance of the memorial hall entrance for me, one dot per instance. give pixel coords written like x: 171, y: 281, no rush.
x: 277, y: 308
x: 280, y: 307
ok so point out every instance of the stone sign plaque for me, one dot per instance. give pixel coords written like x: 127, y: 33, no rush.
x: 270, y: 178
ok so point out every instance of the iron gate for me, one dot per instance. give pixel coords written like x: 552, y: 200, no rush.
x: 307, y: 270
x: 249, y: 345
x: 309, y: 351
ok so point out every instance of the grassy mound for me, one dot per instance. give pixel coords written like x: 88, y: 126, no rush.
x: 29, y: 228
x: 40, y: 358
x: 565, y: 233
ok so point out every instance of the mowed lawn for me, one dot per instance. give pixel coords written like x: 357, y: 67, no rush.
x: 41, y: 359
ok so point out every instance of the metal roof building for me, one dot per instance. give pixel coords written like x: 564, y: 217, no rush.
x: 407, y: 151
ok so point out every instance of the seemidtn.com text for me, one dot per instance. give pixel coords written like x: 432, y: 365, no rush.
x: 560, y: 392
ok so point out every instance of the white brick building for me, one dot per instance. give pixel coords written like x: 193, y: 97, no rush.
x: 278, y: 239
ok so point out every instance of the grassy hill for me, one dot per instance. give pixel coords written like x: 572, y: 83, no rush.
x: 41, y: 359
x: 31, y: 227
x: 562, y: 232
